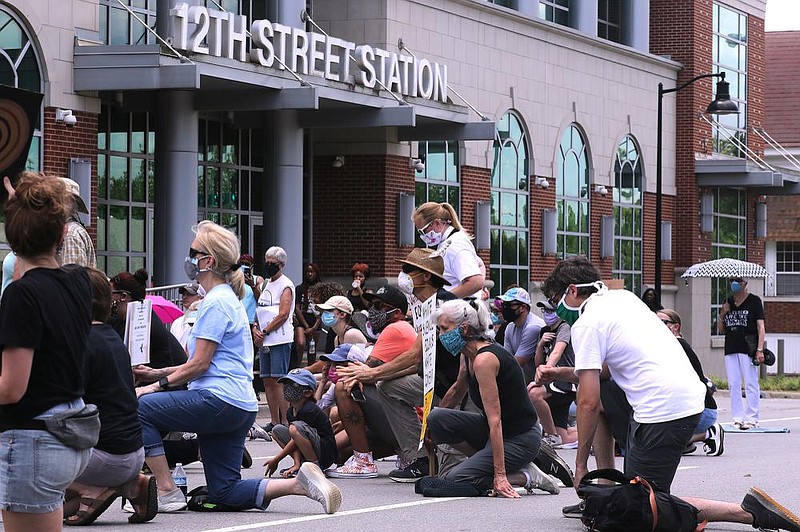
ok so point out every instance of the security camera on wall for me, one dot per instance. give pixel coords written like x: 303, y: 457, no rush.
x: 66, y: 116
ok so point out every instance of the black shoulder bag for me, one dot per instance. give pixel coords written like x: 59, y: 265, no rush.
x: 633, y: 505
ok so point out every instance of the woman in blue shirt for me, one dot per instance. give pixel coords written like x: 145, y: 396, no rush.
x: 220, y: 404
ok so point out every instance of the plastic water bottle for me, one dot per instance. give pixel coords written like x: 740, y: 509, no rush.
x: 179, y: 477
x: 312, y: 347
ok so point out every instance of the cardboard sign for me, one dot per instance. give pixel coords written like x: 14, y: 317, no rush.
x: 423, y: 324
x: 137, y: 331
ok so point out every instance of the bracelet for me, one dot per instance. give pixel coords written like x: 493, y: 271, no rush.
x: 760, y: 350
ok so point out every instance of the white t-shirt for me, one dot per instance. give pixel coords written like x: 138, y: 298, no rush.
x: 644, y: 358
x: 269, y: 306
x: 460, y: 259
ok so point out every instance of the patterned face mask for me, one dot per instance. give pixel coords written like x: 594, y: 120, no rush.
x: 453, y: 341
x: 293, y: 392
x: 378, y: 320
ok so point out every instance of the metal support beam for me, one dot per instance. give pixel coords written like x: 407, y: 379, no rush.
x: 258, y: 100
x: 404, y: 115
x: 484, y: 130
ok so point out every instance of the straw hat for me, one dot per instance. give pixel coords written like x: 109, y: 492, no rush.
x: 427, y: 260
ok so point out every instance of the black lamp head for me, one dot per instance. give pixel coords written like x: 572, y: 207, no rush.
x: 722, y: 104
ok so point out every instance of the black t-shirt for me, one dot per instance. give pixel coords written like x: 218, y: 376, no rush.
x: 516, y: 411
x: 48, y: 310
x: 741, y: 321
x: 316, y: 418
x: 165, y: 349
x: 698, y: 368
x: 109, y: 385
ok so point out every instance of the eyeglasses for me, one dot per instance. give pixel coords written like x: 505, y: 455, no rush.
x: 422, y: 230
x: 195, y: 252
x: 668, y: 322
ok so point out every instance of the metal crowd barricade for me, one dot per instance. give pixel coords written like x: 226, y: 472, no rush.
x: 169, y: 292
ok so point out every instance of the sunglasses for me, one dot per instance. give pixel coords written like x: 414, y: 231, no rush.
x: 668, y: 322
x: 422, y: 230
x: 193, y: 253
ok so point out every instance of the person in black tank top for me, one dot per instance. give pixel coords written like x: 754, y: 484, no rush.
x: 504, y: 437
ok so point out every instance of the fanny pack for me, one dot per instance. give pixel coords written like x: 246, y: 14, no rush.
x: 78, y: 428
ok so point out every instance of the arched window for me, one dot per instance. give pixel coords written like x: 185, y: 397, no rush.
x: 19, y: 67
x: 572, y: 195
x: 628, y: 215
x: 509, y: 256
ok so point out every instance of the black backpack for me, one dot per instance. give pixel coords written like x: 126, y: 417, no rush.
x: 633, y: 505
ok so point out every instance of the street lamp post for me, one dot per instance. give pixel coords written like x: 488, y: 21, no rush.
x: 722, y: 105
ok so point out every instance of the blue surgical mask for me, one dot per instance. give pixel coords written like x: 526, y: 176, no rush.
x: 329, y: 319
x: 550, y: 318
x: 496, y: 319
x: 736, y: 286
x: 453, y: 341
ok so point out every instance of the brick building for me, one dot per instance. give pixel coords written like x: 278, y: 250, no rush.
x: 536, y: 119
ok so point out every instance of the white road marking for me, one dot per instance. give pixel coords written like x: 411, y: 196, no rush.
x: 308, y: 518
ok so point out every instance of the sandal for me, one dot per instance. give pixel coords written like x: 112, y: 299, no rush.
x: 285, y: 473
x: 96, y: 507
x: 145, y: 506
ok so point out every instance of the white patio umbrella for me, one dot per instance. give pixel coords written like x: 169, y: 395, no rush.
x: 726, y: 268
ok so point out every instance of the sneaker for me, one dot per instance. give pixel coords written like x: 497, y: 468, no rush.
x: 538, y: 480
x: 713, y: 445
x: 767, y: 513
x: 319, y: 488
x: 416, y: 470
x: 690, y: 448
x: 746, y: 425
x: 127, y: 507
x: 268, y: 427
x: 174, y: 501
x: 548, y: 461
x: 256, y: 432
x: 247, y: 459
x: 355, y: 468
x: 574, y: 511
x: 552, y: 439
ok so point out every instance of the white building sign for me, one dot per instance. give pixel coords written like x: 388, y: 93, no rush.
x: 221, y: 34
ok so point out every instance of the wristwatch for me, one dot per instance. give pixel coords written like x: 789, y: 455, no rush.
x: 163, y: 383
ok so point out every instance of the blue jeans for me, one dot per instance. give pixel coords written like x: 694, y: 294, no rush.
x: 707, y: 418
x: 221, y: 430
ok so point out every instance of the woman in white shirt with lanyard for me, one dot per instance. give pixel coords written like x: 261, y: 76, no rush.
x: 439, y: 227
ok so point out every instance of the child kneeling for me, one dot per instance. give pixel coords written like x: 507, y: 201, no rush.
x: 309, y: 435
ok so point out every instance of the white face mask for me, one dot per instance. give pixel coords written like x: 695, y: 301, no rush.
x: 431, y: 238
x: 405, y: 283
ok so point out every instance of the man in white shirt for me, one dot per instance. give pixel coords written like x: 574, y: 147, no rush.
x: 614, y: 329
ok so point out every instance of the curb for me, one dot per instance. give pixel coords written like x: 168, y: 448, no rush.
x: 767, y: 394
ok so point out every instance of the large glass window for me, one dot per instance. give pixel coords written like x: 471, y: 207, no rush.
x: 787, y: 269
x: 510, y: 212
x: 572, y: 195
x: 628, y: 215
x: 730, y: 56
x: 555, y: 11
x: 439, y: 180
x: 727, y: 240
x: 609, y: 16
x: 19, y: 68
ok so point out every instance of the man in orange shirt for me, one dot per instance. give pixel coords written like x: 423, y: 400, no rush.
x: 360, y: 406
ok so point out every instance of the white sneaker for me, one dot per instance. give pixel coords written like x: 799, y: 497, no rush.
x: 127, y: 506
x: 319, y: 488
x: 355, y: 469
x: 552, y: 439
x: 714, y: 444
x: 539, y: 480
x: 174, y: 501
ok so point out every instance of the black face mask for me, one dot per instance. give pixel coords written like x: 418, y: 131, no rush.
x: 271, y: 269
x: 510, y: 313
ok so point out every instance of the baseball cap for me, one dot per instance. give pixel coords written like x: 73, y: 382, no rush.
x: 517, y: 294
x: 546, y: 306
x: 75, y: 189
x: 301, y: 376
x: 338, y: 303
x: 391, y: 295
x: 192, y: 288
x: 346, y: 353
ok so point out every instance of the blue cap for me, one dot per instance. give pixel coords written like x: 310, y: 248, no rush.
x: 345, y: 353
x: 303, y: 377
x: 517, y: 294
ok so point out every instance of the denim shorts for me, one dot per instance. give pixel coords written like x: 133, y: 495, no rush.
x: 274, y: 362
x: 35, y: 469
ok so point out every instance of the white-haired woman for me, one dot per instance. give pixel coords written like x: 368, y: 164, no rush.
x: 504, y: 437
x: 273, y: 332
x: 220, y: 404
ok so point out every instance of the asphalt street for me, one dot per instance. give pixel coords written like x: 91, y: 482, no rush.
x: 765, y: 460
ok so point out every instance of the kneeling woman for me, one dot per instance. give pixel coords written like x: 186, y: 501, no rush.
x: 504, y: 437
x: 220, y: 404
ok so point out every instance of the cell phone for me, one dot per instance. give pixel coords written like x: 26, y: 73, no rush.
x: 358, y: 395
